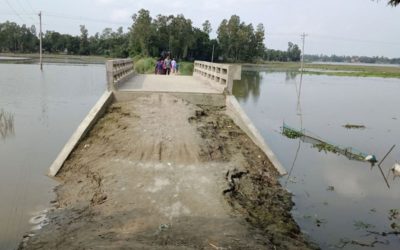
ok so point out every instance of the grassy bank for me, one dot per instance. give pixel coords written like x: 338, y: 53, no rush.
x: 332, y: 69
x: 186, y: 68
x: 144, y: 65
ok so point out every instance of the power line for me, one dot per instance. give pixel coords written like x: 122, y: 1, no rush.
x: 24, y: 10
x: 78, y: 18
x: 15, y: 12
x: 22, y: 7
x: 30, y: 6
x: 357, y: 40
x: 336, y: 38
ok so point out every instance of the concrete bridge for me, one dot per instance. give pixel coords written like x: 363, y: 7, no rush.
x: 208, y: 78
x: 151, y: 164
x: 210, y: 84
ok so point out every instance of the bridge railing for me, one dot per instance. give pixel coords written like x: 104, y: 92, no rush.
x: 220, y: 76
x: 118, y: 71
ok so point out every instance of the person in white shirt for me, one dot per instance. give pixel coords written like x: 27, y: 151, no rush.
x: 173, y: 66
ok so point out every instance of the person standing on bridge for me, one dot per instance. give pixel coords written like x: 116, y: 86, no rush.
x: 167, y: 63
x: 173, y: 66
x: 159, y: 67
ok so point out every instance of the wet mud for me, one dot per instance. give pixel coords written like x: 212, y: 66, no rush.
x: 161, y: 173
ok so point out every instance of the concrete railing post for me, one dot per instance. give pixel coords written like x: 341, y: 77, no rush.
x: 118, y: 71
x: 220, y: 76
x: 110, y: 75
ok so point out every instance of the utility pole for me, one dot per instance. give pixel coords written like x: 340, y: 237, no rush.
x: 40, y: 36
x: 303, y: 38
x: 212, y: 57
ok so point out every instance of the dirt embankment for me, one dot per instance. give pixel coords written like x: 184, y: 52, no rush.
x: 161, y: 173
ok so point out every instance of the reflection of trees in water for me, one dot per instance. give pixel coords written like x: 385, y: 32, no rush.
x: 251, y: 82
x: 248, y: 86
x: 6, y: 124
x: 290, y: 75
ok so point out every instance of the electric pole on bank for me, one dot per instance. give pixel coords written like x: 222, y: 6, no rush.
x: 40, y: 37
x: 303, y: 38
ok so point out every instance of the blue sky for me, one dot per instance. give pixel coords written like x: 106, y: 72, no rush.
x: 342, y: 27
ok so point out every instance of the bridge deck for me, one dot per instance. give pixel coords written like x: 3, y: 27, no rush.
x: 171, y: 83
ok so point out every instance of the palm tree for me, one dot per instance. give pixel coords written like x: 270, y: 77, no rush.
x: 394, y: 2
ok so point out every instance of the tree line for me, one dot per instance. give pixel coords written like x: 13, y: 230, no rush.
x: 352, y: 59
x: 236, y: 40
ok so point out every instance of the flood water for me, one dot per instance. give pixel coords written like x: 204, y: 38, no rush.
x: 337, y: 200
x: 43, y: 109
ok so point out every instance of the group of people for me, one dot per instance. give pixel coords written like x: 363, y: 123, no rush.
x: 166, y: 66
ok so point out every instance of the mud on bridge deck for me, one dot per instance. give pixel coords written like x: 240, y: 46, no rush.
x: 159, y: 172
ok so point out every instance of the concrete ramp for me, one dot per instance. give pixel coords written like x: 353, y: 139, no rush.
x: 168, y: 84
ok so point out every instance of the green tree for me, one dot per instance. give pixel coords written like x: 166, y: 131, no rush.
x: 239, y: 41
x: 293, y: 52
x: 259, y: 41
x: 141, y: 32
x: 207, y: 27
x: 84, y: 41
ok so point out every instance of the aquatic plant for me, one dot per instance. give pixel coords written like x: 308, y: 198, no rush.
x: 354, y: 126
x: 326, y: 148
x: 6, y: 124
x: 362, y: 225
x: 291, y: 134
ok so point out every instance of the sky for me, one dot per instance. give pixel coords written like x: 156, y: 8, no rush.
x: 341, y: 27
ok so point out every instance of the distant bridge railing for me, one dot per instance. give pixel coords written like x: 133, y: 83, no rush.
x: 220, y: 76
x: 118, y: 71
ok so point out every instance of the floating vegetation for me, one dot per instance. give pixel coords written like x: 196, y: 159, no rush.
x: 344, y: 242
x: 322, y: 145
x: 360, y: 225
x: 6, y: 124
x: 326, y: 148
x: 319, y: 222
x: 331, y: 188
x: 291, y: 133
x: 394, y: 214
x: 354, y: 126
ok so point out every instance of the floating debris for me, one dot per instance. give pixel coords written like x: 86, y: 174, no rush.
x: 396, y: 170
x: 354, y: 126
x: 394, y: 214
x: 322, y: 145
x: 319, y: 222
x: 331, y: 188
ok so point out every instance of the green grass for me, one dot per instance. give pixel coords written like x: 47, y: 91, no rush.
x: 333, y: 69
x: 145, y: 65
x: 186, y: 68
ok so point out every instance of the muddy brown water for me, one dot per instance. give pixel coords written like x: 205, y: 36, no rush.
x: 337, y: 200
x: 46, y: 108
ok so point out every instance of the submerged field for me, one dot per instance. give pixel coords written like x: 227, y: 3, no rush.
x: 357, y: 70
